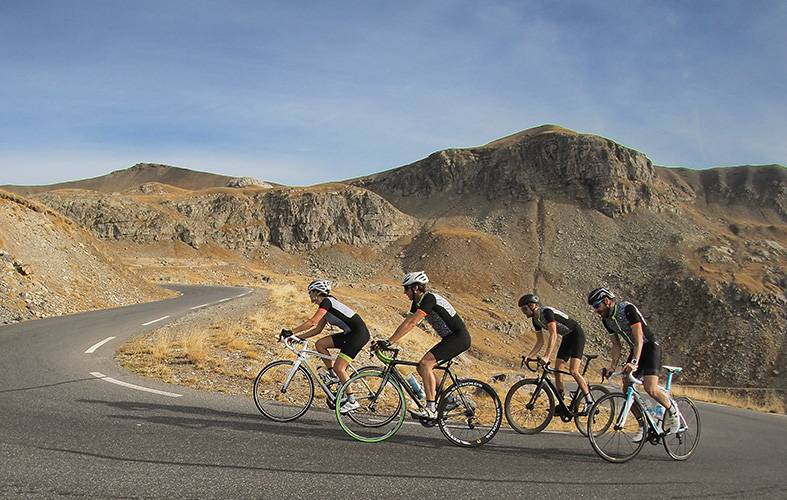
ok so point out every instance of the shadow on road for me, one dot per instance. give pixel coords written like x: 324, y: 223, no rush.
x: 44, y: 386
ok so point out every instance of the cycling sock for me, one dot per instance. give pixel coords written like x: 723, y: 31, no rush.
x: 430, y: 405
x: 588, y: 398
x: 672, y: 410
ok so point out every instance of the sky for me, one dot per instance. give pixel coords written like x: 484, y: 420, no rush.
x: 304, y: 92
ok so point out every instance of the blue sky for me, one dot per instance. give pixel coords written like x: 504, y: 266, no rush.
x: 306, y: 92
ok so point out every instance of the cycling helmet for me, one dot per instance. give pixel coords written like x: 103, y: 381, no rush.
x: 322, y: 286
x: 528, y: 298
x: 413, y: 278
x: 598, y: 294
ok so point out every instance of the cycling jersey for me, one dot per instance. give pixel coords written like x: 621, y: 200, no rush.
x: 546, y: 315
x: 621, y: 317
x: 338, y: 314
x: 439, y: 313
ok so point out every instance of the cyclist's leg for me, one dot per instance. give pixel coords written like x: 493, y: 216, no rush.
x: 426, y: 370
x: 326, y: 343
x: 574, y: 349
x: 559, y: 364
x: 352, y: 345
x: 447, y: 349
x: 648, y: 370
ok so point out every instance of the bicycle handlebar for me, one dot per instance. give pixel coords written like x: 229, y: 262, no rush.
x: 630, y: 378
x: 527, y: 362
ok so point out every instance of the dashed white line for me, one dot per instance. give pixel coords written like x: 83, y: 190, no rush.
x: 132, y: 386
x: 225, y: 300
x: 200, y: 306
x: 243, y: 294
x: 95, y: 346
x: 155, y: 321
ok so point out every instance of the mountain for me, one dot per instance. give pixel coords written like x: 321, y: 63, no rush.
x: 140, y: 175
x: 49, y: 266
x: 547, y: 209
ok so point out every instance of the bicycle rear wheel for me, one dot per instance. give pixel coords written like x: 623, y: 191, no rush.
x: 529, y: 407
x: 381, y: 407
x: 682, y: 444
x: 469, y: 413
x: 616, y: 442
x: 581, y: 421
x: 280, y: 403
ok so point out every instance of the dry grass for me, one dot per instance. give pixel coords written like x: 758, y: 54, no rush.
x: 195, y: 345
x: 161, y: 347
x: 764, y: 401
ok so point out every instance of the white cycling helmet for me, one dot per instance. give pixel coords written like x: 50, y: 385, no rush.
x: 413, y: 278
x: 322, y: 286
x: 599, y: 293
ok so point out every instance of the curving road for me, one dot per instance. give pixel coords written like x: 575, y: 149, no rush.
x: 66, y: 430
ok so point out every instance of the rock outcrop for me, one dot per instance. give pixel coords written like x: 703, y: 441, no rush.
x: 291, y: 219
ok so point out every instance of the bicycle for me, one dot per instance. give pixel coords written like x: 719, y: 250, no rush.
x: 616, y: 443
x: 530, y: 403
x: 284, y: 390
x: 469, y: 412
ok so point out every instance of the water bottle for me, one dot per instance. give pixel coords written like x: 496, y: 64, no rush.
x: 419, y: 392
x: 652, y: 407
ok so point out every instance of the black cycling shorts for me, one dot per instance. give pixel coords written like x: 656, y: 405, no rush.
x: 351, y: 342
x: 451, y: 346
x: 649, y: 360
x: 572, y: 345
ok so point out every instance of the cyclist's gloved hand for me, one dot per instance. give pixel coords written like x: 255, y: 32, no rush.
x: 381, y: 344
x: 285, y: 333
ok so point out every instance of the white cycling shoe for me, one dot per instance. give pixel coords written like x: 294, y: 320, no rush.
x: 349, y: 406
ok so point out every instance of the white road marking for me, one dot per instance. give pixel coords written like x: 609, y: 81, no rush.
x: 132, y: 386
x: 155, y: 321
x: 97, y: 345
x: 243, y: 294
x: 200, y: 306
x: 225, y: 300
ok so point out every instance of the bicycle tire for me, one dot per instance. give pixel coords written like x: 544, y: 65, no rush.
x: 682, y: 444
x: 526, y: 417
x: 581, y: 421
x: 274, y: 403
x: 381, y: 411
x: 361, y: 421
x: 475, y: 414
x: 616, y: 443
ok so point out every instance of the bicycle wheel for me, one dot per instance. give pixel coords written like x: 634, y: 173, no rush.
x: 529, y: 408
x: 381, y: 411
x: 363, y: 391
x: 581, y: 421
x: 469, y: 413
x: 617, y: 442
x: 682, y: 444
x: 279, y: 403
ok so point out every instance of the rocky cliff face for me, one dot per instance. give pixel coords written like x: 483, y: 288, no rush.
x: 546, y: 162
x: 290, y: 219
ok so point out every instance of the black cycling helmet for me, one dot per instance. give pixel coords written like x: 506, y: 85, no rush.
x: 528, y: 298
x: 599, y: 293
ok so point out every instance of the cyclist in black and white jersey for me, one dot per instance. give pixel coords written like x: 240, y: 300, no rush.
x: 441, y: 315
x: 350, y: 340
x: 623, y: 320
x: 572, y: 344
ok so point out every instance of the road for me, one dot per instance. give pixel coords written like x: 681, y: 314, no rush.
x: 67, y: 432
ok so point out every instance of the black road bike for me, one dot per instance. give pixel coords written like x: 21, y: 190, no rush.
x: 531, y: 403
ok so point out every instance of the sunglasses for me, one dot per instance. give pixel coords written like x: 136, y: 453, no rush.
x: 597, y: 305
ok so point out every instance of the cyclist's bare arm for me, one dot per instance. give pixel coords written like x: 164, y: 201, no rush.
x: 312, y: 326
x: 615, y: 353
x: 552, y: 328
x: 408, y: 324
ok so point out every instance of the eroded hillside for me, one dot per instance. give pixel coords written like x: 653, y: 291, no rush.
x: 49, y: 266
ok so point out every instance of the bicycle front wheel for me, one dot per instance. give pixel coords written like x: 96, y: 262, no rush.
x: 581, y: 420
x: 682, y: 444
x: 279, y: 400
x: 469, y: 413
x: 380, y: 413
x: 621, y: 440
x: 529, y: 406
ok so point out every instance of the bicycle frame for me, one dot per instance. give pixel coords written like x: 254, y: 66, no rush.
x: 632, y: 394
x: 391, y: 372
x: 544, y: 378
x: 302, y: 358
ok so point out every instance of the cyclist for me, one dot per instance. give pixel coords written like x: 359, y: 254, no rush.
x: 441, y: 315
x: 353, y: 337
x: 623, y: 319
x: 571, y: 347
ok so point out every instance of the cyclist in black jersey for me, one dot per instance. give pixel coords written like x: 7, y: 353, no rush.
x: 572, y: 344
x: 623, y: 320
x: 442, y: 316
x: 353, y: 337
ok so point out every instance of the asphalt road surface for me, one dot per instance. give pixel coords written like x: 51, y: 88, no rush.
x: 68, y: 428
